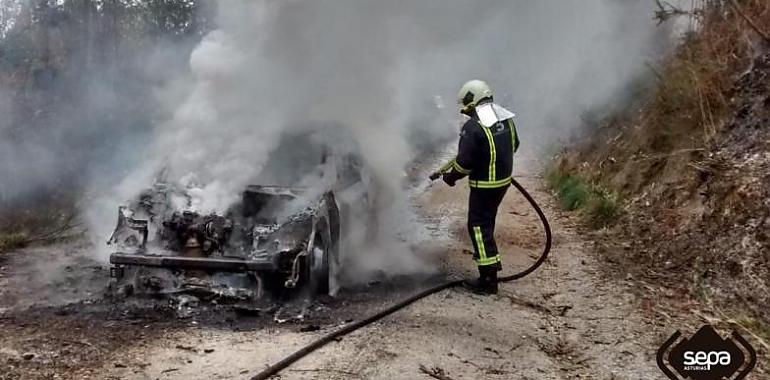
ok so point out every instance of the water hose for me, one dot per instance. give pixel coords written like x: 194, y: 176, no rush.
x: 320, y: 342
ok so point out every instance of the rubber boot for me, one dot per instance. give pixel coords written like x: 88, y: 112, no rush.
x: 486, y: 284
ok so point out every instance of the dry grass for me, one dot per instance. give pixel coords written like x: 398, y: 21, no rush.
x: 678, y: 163
x: 686, y: 109
x: 693, y: 98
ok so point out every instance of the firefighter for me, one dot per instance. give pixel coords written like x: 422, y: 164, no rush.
x: 488, y: 141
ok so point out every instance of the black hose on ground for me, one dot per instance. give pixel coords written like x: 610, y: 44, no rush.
x: 546, y: 229
x: 320, y: 342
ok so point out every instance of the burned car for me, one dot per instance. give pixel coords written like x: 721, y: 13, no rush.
x: 277, y: 240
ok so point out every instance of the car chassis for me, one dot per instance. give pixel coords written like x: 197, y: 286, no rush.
x: 258, y: 246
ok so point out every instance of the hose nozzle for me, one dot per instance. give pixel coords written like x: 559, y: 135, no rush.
x: 441, y: 171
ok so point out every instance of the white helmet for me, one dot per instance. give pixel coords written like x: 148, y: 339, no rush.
x: 472, y: 93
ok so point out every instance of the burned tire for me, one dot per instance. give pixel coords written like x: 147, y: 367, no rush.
x: 318, y: 270
x: 322, y: 261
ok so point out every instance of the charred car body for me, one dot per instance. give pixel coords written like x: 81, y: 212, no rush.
x: 277, y: 240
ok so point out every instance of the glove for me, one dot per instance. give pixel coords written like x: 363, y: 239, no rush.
x: 448, y: 180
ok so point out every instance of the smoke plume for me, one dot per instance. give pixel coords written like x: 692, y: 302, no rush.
x: 378, y: 69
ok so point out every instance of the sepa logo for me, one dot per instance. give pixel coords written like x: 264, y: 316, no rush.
x: 706, y: 356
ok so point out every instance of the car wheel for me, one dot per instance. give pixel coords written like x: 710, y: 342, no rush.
x: 319, y: 265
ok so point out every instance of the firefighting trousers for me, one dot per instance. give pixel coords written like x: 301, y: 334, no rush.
x: 482, y: 212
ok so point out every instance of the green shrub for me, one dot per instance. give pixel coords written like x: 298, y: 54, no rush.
x: 572, y: 191
x: 600, y: 206
x: 603, y: 209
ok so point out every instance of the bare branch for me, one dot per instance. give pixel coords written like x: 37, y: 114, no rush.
x: 667, y: 10
x: 435, y: 372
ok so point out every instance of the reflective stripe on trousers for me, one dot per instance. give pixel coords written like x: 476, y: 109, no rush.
x: 481, y: 258
x: 482, y: 211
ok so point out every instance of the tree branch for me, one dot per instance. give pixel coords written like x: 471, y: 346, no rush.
x: 667, y: 10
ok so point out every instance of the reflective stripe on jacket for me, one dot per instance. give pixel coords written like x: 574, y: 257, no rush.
x: 485, y: 155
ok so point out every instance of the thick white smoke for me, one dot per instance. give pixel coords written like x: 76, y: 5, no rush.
x: 377, y: 68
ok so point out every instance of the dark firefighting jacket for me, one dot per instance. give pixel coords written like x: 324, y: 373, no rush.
x: 485, y: 154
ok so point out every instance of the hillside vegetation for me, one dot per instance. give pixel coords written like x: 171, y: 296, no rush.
x: 681, y: 180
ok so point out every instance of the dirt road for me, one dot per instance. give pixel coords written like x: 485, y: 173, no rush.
x: 563, y: 322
